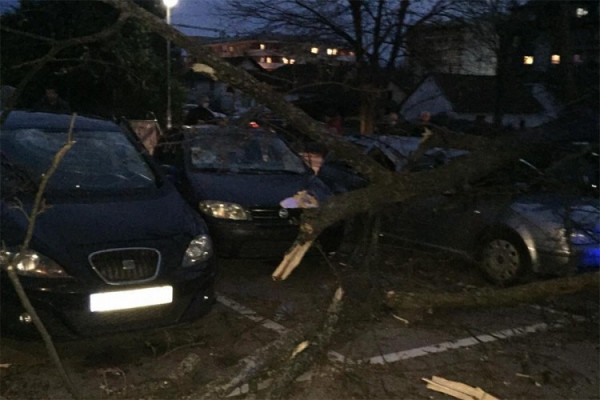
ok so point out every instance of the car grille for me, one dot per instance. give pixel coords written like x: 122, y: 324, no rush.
x: 124, y: 266
x: 273, y: 214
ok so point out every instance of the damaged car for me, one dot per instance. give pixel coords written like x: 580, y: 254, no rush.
x: 527, y: 219
x: 115, y: 248
x: 249, y: 185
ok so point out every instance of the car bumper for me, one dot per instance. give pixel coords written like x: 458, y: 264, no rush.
x: 581, y: 258
x: 65, y: 310
x: 247, y: 239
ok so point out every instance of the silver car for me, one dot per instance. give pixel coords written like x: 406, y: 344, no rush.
x: 517, y: 222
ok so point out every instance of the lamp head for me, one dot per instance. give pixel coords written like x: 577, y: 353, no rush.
x: 170, y: 3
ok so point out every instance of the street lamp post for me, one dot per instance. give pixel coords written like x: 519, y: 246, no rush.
x: 168, y: 5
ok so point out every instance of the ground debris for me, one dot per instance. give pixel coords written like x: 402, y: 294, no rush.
x: 457, y: 389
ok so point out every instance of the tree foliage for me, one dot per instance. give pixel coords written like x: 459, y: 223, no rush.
x: 375, y: 31
x: 123, y: 75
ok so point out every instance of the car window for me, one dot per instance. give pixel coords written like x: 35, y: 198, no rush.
x: 242, y: 153
x: 98, y: 161
x: 578, y: 171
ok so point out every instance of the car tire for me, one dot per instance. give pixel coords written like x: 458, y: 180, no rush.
x: 504, y: 259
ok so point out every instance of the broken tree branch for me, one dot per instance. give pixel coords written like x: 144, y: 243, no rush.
x: 303, y: 357
x: 525, y: 293
x: 251, y: 367
x: 38, y: 208
x: 291, y: 260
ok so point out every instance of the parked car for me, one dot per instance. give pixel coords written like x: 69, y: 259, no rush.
x: 116, y: 246
x: 394, y: 152
x: 246, y: 182
x: 520, y: 220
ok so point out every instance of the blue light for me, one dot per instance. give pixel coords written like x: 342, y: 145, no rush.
x: 590, y: 258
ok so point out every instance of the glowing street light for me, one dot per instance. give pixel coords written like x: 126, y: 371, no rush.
x: 168, y: 5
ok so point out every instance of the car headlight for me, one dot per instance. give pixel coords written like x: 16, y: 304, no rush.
x: 32, y: 264
x: 582, y: 237
x: 200, y: 249
x: 224, y: 210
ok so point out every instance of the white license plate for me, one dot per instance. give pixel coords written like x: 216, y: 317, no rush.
x: 128, y: 299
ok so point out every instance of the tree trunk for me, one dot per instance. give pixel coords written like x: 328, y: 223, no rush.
x: 368, y: 111
x: 494, y: 297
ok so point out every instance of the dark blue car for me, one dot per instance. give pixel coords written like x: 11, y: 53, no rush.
x: 247, y: 183
x: 117, y: 248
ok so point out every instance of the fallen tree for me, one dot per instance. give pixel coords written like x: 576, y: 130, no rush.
x: 486, y: 154
x: 488, y: 297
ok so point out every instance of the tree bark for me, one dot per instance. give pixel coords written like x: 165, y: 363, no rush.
x: 301, y: 361
x: 253, y: 366
x: 511, y: 296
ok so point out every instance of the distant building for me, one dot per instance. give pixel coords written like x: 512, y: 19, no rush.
x: 274, y: 51
x: 472, y: 98
x: 545, y: 35
x: 561, y: 32
x: 452, y: 48
x: 262, y: 56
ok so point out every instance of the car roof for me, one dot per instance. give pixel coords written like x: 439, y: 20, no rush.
x: 52, y: 121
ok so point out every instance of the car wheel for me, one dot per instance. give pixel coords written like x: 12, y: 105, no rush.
x: 504, y: 260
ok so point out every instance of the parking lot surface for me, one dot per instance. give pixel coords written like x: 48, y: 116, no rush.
x: 544, y: 351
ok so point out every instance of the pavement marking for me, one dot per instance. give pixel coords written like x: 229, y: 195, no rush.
x: 461, y: 343
x: 418, y: 351
x: 266, y: 323
x: 251, y: 314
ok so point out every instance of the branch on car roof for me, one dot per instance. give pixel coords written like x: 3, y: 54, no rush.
x: 244, y: 81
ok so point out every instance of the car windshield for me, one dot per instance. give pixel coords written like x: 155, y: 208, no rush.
x: 99, y: 161
x: 242, y: 152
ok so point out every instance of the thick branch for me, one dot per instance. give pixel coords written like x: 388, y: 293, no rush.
x: 304, y: 356
x: 526, y: 293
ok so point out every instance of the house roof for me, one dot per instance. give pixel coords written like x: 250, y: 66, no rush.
x: 241, y: 60
x: 477, y: 94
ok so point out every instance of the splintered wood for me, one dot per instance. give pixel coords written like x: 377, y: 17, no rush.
x: 457, y: 390
x: 291, y: 261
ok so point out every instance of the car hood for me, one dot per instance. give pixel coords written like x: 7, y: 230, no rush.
x: 254, y: 189
x: 111, y: 223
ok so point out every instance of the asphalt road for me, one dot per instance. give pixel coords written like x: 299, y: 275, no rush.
x: 544, y: 351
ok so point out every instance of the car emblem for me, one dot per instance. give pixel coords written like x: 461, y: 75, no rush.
x: 128, y: 265
x: 283, y: 213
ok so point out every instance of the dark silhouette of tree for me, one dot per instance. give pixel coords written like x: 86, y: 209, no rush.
x: 121, y: 75
x: 375, y: 31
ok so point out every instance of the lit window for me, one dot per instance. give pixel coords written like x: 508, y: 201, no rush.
x: 292, y: 61
x: 262, y: 46
x: 314, y: 50
x: 581, y: 12
x: 269, y: 60
x: 555, y: 59
x: 334, y: 51
x: 329, y: 52
x: 231, y: 49
x: 285, y: 60
x: 528, y: 60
